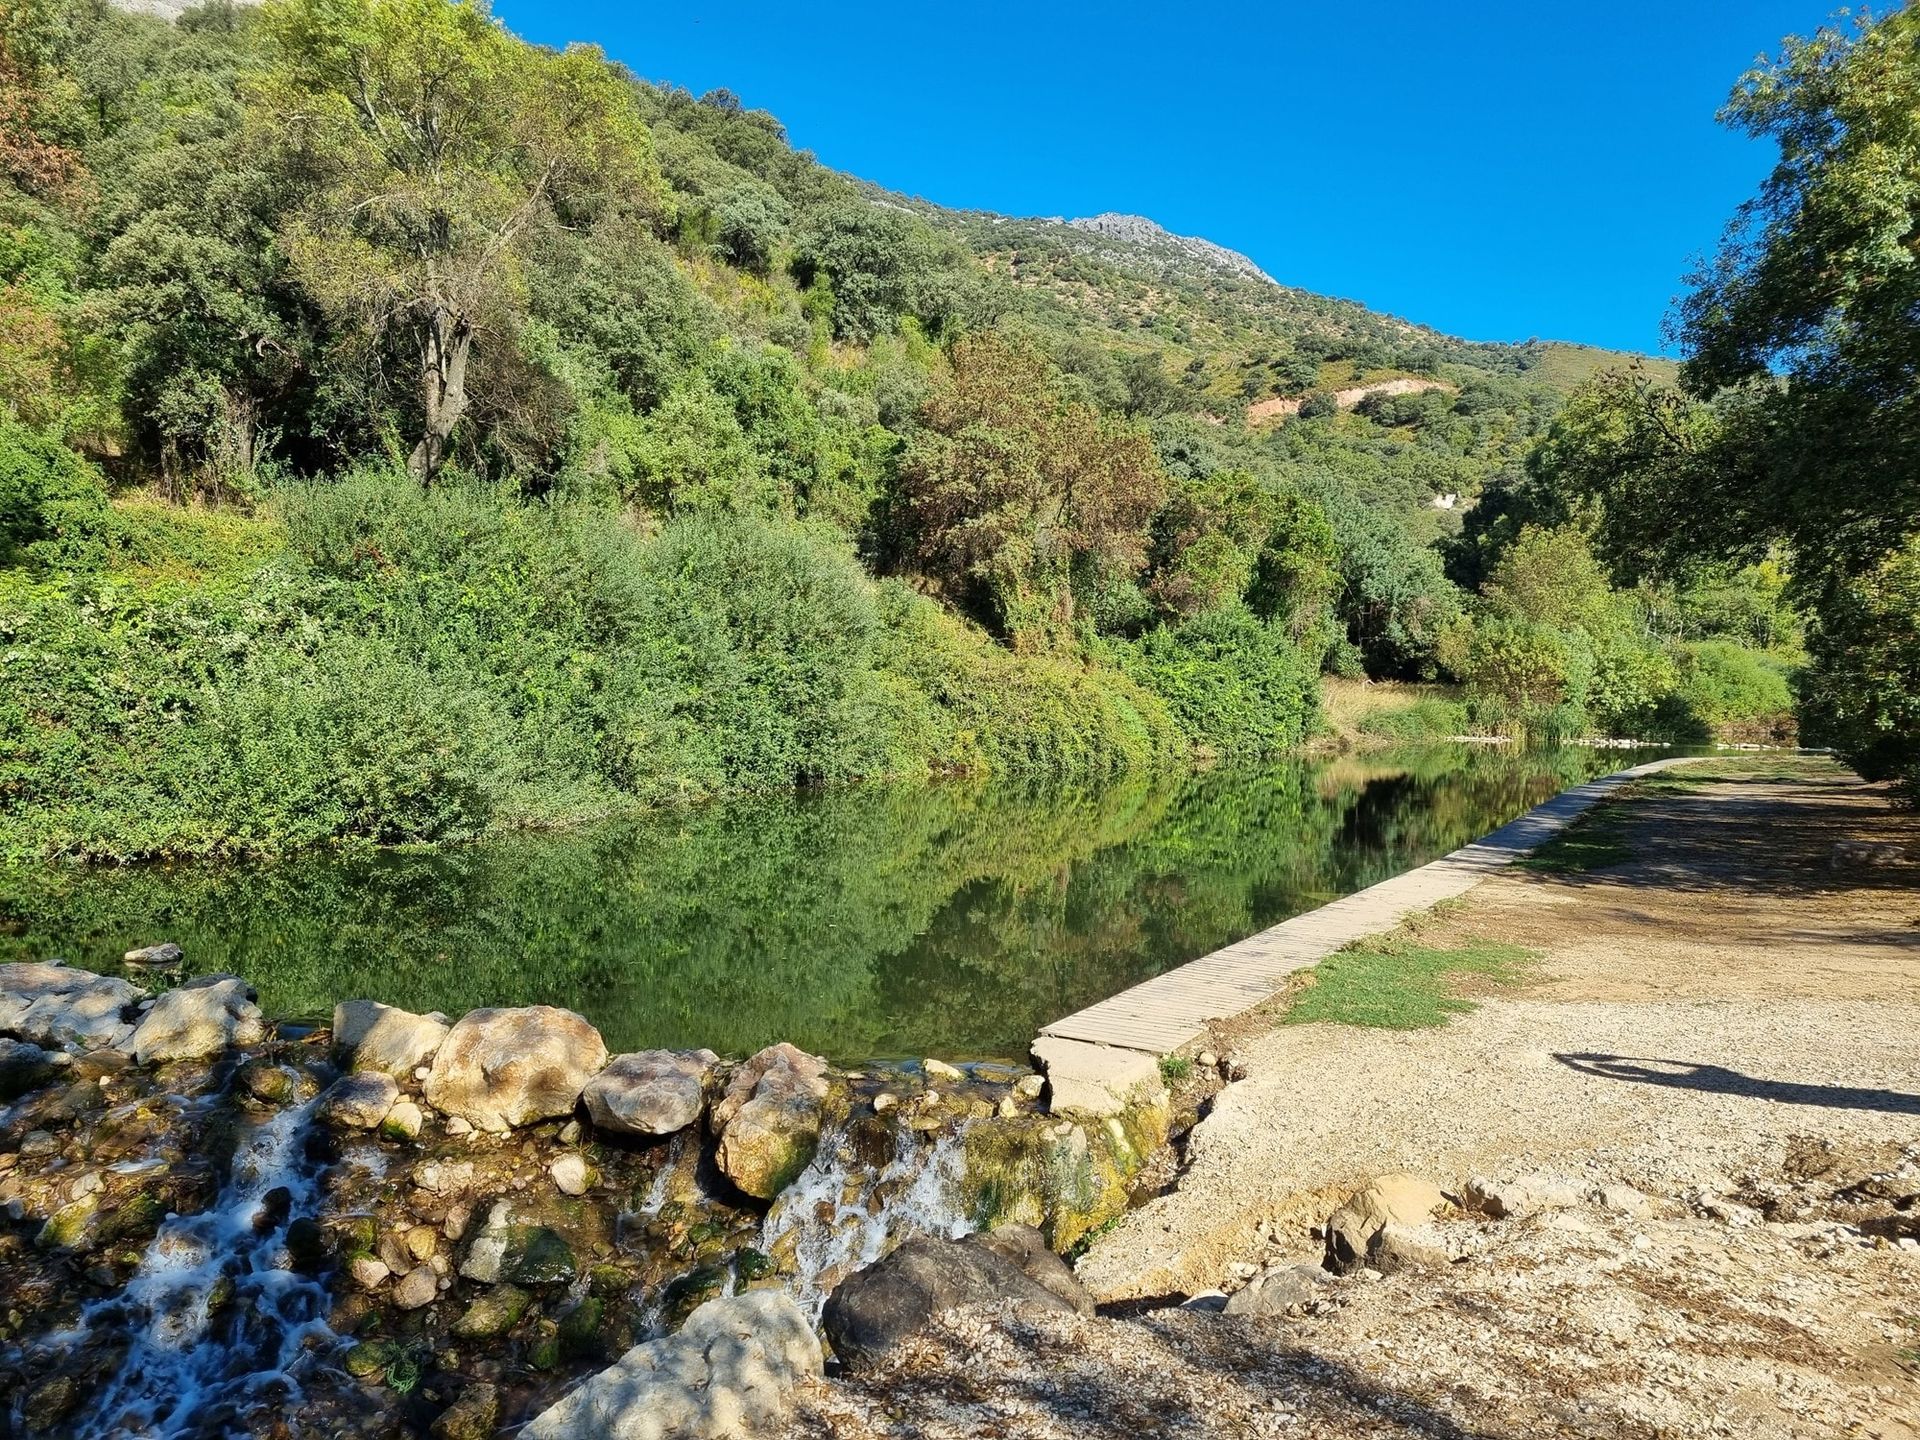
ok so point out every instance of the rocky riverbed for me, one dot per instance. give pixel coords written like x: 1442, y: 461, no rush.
x: 407, y: 1224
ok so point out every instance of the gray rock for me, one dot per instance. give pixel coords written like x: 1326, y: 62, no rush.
x: 404, y: 1121
x: 730, y: 1372
x: 57, y: 1005
x: 359, y: 1102
x: 895, y: 1298
x: 572, y: 1174
x: 201, y: 1018
x: 370, y: 1036
x: 418, y: 1287
x: 653, y: 1092
x: 1027, y: 1248
x: 23, y: 1067
x: 501, y: 1068
x: 164, y: 956
x: 769, y: 1119
x: 1277, y: 1292
x: 518, y: 1251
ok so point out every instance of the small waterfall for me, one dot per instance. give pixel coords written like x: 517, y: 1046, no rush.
x: 843, y: 1215
x: 201, y: 1362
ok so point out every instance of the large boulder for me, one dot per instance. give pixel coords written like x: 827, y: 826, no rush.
x: 895, y: 1298
x: 1388, y: 1200
x: 57, y: 1005
x: 769, y: 1120
x: 500, y: 1068
x: 24, y: 1067
x: 728, y: 1374
x: 1027, y: 1248
x: 201, y: 1018
x: 654, y: 1092
x: 370, y: 1036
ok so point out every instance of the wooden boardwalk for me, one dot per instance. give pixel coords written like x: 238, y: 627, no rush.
x: 1160, y: 1015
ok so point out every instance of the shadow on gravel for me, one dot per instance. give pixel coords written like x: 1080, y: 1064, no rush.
x: 1684, y: 1075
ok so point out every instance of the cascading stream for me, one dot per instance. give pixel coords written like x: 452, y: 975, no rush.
x: 203, y: 1357
x: 841, y: 1214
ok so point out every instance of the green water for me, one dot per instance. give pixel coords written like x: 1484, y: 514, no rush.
x: 950, y: 920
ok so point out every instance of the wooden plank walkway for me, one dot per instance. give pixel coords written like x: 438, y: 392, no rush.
x: 1162, y: 1014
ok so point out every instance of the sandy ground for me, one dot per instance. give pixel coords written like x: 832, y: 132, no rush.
x: 1725, y: 1023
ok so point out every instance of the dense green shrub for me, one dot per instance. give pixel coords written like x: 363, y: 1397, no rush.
x: 1236, y: 684
x: 1428, y: 718
x: 53, y: 505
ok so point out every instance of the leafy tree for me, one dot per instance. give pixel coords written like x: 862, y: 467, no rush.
x: 438, y: 148
x: 1010, y: 485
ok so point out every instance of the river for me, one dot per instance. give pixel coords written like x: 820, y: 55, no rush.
x: 950, y: 920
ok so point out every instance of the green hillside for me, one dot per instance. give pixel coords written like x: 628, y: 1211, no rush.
x: 410, y: 433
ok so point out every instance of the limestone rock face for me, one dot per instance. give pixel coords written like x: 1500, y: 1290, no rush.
x: 1098, y: 1080
x: 769, y: 1119
x: 501, y: 1068
x: 653, y: 1092
x: 729, y: 1372
x: 1027, y: 1248
x: 359, y: 1102
x: 1390, y: 1199
x: 56, y: 1005
x: 1510, y: 1199
x: 201, y: 1018
x: 370, y: 1036
x: 895, y: 1298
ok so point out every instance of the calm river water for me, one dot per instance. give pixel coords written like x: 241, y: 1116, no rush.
x: 950, y: 920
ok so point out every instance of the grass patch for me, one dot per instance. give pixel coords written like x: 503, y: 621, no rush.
x: 1175, y: 1067
x: 1397, y: 984
x: 1592, y: 842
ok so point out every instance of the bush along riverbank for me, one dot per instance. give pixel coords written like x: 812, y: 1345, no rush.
x: 403, y: 1225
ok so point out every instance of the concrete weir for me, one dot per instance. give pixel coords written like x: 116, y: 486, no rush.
x: 1093, y: 1048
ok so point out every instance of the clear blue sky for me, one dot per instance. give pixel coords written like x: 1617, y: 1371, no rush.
x: 1498, y: 169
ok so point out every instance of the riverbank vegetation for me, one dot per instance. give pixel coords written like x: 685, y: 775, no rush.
x: 408, y: 433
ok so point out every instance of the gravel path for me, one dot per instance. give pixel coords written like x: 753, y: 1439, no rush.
x: 1724, y: 1023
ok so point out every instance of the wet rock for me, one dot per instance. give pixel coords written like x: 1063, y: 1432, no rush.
x: 883, y: 1102
x: 38, y: 1142
x: 24, y: 1067
x: 653, y: 1092
x: 307, y: 1245
x: 418, y: 1287
x: 877, y: 1308
x: 493, y: 1314
x: 50, y: 1402
x: 770, y: 1118
x: 1278, y: 1292
x: 730, y: 1372
x: 501, y: 1068
x: 444, y: 1177
x: 267, y: 1082
x: 572, y: 1174
x: 1028, y: 1087
x: 368, y: 1272
x: 359, y: 1102
x: 56, y: 1005
x: 70, y: 1227
x: 519, y: 1252
x: 1510, y: 1199
x: 368, y: 1360
x: 1405, y: 1199
x: 941, y: 1071
x: 1027, y: 1248
x: 370, y: 1036
x: 474, y: 1416
x: 201, y: 1018
x: 404, y: 1121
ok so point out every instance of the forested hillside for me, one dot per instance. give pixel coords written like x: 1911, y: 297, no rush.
x: 407, y: 433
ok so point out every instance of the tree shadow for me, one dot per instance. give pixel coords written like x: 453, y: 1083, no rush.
x: 1688, y: 1075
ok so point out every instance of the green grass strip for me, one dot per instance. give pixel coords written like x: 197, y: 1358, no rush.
x: 1393, y: 984
x: 1590, y: 843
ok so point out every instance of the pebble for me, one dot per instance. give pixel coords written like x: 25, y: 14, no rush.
x: 571, y: 1173
x: 1206, y: 1060
x: 458, y: 1126
x: 570, y: 1133
x: 368, y: 1273
x: 419, y: 1286
x: 884, y: 1101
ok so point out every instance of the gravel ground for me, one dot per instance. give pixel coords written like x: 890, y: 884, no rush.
x: 1724, y: 1023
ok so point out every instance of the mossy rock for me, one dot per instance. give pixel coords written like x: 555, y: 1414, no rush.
x: 580, y: 1334
x: 71, y: 1226
x: 370, y: 1358
x: 544, y: 1353
x: 1020, y: 1171
x: 493, y: 1314
x: 686, y: 1293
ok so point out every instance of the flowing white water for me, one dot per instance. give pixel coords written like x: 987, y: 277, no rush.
x: 843, y: 1215
x: 197, y: 1368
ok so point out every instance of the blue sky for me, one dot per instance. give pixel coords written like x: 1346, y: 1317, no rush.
x: 1499, y: 170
